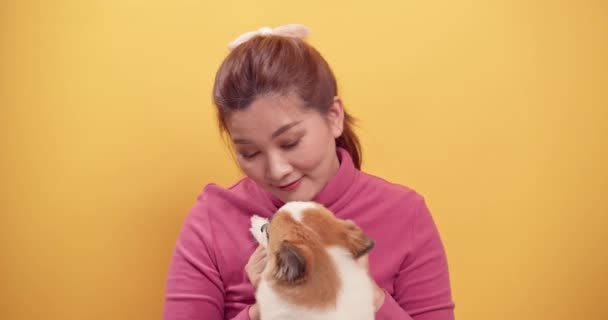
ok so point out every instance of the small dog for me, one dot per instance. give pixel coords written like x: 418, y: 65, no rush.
x: 312, y: 273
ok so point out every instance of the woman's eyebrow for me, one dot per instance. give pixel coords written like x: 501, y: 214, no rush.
x: 275, y: 134
x: 284, y: 128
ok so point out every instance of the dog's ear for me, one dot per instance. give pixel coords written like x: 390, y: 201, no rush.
x: 291, y: 265
x: 358, y: 243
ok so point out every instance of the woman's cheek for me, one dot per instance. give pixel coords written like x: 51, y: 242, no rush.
x: 306, y: 161
x: 248, y: 168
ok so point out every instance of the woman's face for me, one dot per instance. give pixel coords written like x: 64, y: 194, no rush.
x: 286, y: 149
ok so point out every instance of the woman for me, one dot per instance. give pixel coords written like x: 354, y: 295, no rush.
x: 277, y: 101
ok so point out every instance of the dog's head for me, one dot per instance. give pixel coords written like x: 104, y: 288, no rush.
x: 299, y: 235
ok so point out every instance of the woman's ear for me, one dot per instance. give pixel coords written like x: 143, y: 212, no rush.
x: 335, y: 117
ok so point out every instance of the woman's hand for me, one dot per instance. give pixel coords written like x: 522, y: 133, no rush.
x: 254, y: 268
x: 255, y: 265
x: 378, y: 292
x: 254, y: 312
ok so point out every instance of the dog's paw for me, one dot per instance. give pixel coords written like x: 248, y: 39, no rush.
x: 258, y: 230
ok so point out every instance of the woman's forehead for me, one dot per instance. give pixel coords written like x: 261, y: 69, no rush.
x: 266, y: 115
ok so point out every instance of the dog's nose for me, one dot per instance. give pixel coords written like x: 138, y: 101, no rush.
x: 264, y: 229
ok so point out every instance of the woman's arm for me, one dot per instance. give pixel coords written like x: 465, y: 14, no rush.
x: 422, y: 286
x: 194, y: 289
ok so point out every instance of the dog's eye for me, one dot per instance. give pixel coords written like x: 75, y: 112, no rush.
x: 264, y: 229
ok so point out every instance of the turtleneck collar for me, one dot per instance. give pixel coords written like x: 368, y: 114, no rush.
x: 331, y: 194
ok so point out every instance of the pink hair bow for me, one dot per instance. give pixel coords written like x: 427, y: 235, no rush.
x: 288, y: 30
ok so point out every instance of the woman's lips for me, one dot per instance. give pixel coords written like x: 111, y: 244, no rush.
x: 291, y: 186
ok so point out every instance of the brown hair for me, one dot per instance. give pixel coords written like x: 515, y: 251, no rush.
x: 266, y: 65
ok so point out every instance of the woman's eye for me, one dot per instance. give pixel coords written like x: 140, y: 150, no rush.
x: 291, y: 144
x: 249, y: 156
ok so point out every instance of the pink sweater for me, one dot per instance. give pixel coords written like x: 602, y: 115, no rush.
x: 207, y: 280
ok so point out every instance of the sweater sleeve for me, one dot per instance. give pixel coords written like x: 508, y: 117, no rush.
x: 194, y: 289
x: 422, y: 286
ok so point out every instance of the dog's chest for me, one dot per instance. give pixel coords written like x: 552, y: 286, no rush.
x: 354, y: 300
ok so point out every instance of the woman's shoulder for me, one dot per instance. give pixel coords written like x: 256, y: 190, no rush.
x: 400, y: 203
x: 382, y: 187
x: 214, y: 194
x: 215, y: 191
x: 217, y: 206
x: 242, y: 198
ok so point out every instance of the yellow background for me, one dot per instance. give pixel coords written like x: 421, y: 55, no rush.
x: 495, y: 110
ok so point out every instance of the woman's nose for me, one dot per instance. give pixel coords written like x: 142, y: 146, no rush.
x: 278, y: 167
